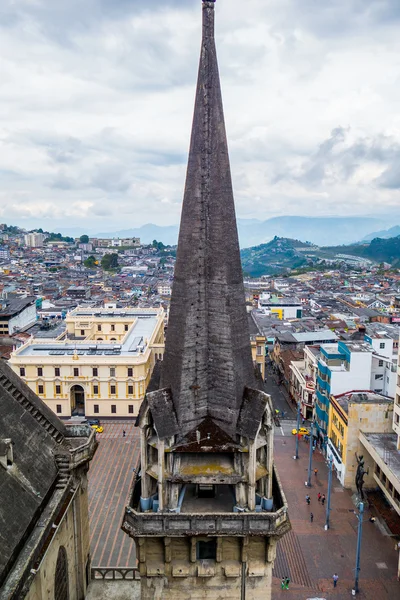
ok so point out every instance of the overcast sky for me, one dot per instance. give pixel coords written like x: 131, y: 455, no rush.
x: 96, y: 102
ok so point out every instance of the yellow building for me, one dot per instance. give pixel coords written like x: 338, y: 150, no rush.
x: 100, y: 366
x: 258, y: 352
x: 350, y: 414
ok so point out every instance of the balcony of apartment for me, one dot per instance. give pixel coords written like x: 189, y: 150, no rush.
x: 205, y: 516
x: 322, y: 399
x: 382, y: 447
x: 298, y: 367
x: 337, y: 452
x: 322, y: 384
x: 325, y: 366
x: 322, y: 416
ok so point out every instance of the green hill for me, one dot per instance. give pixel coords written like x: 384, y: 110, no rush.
x: 379, y: 250
x: 280, y: 255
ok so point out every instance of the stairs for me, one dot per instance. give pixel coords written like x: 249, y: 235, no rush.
x: 62, y: 461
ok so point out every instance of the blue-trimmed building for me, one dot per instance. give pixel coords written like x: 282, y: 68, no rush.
x: 342, y: 367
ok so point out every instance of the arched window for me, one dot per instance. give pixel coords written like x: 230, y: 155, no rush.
x: 61, y: 587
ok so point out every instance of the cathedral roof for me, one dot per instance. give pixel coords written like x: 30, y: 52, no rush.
x: 28, y: 472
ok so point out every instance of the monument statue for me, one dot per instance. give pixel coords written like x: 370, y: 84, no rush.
x: 360, y: 475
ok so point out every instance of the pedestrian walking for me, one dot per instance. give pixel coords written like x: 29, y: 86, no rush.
x: 323, y: 499
x: 123, y: 433
x: 308, y: 499
x: 311, y: 517
x: 319, y: 496
x: 315, y: 472
x: 335, y: 579
x: 287, y: 581
x: 283, y: 583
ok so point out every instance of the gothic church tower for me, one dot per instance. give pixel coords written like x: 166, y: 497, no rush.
x: 207, y: 508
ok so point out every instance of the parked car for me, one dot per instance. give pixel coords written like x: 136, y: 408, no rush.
x: 302, y: 431
x: 97, y: 428
x: 93, y: 421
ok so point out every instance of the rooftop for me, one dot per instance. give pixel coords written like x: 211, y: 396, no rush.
x: 315, y: 336
x: 13, y: 306
x: 385, y: 445
x: 361, y: 397
x: 133, y: 344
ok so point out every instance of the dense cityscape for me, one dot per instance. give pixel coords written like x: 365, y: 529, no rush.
x: 200, y: 420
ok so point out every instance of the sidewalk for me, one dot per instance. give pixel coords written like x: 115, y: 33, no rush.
x: 309, y: 555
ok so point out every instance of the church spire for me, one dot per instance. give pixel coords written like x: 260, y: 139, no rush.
x: 207, y: 362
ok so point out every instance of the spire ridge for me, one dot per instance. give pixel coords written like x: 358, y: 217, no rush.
x: 207, y: 362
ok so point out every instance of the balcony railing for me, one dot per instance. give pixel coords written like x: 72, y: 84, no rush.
x: 114, y: 574
x: 138, y: 524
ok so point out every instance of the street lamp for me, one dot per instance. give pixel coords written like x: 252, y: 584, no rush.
x: 308, y: 482
x: 297, y: 429
x: 358, y: 552
x: 328, y: 505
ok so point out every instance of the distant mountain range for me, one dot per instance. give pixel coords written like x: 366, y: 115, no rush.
x: 385, y: 234
x: 318, y: 230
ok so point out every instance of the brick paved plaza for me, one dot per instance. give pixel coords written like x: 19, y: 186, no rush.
x: 309, y: 555
x: 110, y: 478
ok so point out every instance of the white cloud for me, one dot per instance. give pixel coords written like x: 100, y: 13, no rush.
x: 97, y: 99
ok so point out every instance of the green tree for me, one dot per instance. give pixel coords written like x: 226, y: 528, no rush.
x: 90, y: 262
x: 109, y: 262
x: 84, y: 239
x: 158, y: 245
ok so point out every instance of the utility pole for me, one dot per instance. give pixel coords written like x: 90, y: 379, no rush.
x: 328, y: 505
x: 297, y: 429
x: 360, y: 523
x: 308, y: 482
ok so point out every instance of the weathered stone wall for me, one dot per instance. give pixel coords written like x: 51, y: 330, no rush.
x: 76, y: 544
x: 200, y: 588
x: 170, y: 571
x: 369, y: 418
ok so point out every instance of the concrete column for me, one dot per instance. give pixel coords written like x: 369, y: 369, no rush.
x: 145, y: 494
x: 251, y: 500
x: 161, y: 474
x: 270, y: 462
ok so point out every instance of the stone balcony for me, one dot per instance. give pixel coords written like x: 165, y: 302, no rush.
x: 82, y: 440
x: 172, y: 524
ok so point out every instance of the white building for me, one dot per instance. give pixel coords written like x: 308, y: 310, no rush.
x: 4, y: 253
x: 303, y: 376
x: 164, y: 289
x: 285, y: 308
x: 16, y: 314
x: 34, y: 240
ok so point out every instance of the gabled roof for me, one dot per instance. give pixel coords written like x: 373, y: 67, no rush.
x: 36, y: 433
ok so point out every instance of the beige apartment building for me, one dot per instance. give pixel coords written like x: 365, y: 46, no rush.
x: 100, y: 366
x: 382, y: 452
